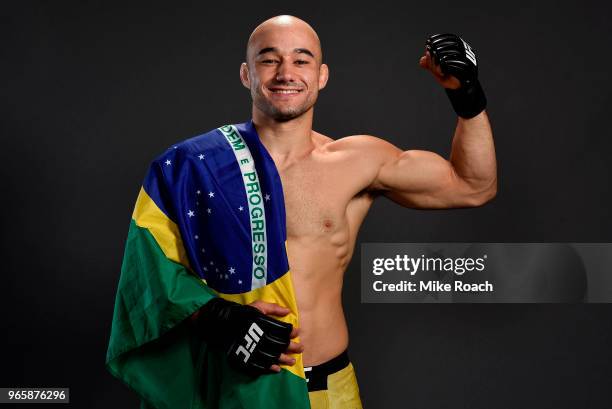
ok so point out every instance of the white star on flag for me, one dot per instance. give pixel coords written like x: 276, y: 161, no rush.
x: 239, y: 281
x: 196, y: 237
x: 168, y: 162
x: 174, y: 147
x: 204, y: 268
x: 198, y: 192
x: 190, y: 213
x: 212, y: 264
x: 226, y: 276
x: 211, y: 194
x: 241, y: 208
x: 232, y: 270
x: 267, y: 197
x: 217, y: 270
x: 201, y: 156
x: 203, y: 251
x: 208, y: 210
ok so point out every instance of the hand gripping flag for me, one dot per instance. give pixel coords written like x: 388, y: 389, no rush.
x: 209, y: 222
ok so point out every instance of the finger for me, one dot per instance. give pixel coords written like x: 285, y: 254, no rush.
x: 295, y: 348
x: 294, y: 332
x: 438, y: 71
x: 442, y: 40
x: 270, y: 308
x: 275, y: 368
x: 286, y: 359
x: 434, y: 66
x: 275, y: 309
x: 423, y: 62
x: 429, y: 60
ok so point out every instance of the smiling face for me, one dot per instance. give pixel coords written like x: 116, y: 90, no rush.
x: 283, y: 69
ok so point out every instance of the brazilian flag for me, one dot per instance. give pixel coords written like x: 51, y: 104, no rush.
x: 209, y: 222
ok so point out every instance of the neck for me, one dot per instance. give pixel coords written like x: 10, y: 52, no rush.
x: 285, y: 141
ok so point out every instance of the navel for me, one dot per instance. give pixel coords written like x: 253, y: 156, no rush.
x: 327, y: 224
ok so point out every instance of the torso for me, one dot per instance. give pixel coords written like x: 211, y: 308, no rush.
x: 326, y: 202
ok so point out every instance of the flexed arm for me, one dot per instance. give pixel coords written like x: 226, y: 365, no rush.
x: 424, y: 179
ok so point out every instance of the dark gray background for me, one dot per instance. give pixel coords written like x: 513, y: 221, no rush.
x: 91, y: 92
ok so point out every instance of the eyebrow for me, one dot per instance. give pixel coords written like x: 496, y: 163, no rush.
x: 295, y: 50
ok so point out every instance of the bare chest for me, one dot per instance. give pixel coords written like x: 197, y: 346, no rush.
x: 317, y: 197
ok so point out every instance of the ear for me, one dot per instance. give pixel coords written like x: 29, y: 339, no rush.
x: 244, y: 75
x: 323, y: 76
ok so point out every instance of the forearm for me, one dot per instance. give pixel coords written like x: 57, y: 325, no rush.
x: 473, y: 153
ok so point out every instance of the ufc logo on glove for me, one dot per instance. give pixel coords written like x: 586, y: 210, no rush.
x: 252, y: 338
x: 469, y: 53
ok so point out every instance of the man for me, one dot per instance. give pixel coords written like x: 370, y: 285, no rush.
x: 329, y: 186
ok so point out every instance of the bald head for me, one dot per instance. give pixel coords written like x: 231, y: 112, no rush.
x: 270, y: 31
x: 284, y: 69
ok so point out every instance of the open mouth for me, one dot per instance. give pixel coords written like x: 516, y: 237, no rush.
x: 285, y: 91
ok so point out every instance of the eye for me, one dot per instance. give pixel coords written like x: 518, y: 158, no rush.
x: 268, y: 61
x: 301, y: 62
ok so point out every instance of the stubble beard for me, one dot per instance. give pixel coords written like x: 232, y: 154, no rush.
x: 282, y: 115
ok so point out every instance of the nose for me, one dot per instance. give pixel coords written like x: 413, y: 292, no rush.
x: 285, y: 72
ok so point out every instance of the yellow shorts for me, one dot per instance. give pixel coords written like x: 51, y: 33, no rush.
x: 333, y: 384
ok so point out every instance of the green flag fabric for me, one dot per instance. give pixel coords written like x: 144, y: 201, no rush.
x: 196, y: 233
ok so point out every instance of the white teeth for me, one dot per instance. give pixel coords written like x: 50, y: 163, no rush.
x: 286, y: 91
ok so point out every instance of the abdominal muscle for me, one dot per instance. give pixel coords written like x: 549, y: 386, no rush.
x: 317, y: 273
x: 319, y: 250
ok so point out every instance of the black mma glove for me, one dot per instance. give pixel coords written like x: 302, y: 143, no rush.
x: 252, y: 340
x: 456, y: 57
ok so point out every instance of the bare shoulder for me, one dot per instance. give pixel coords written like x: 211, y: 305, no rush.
x: 361, y: 155
x: 365, y: 146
